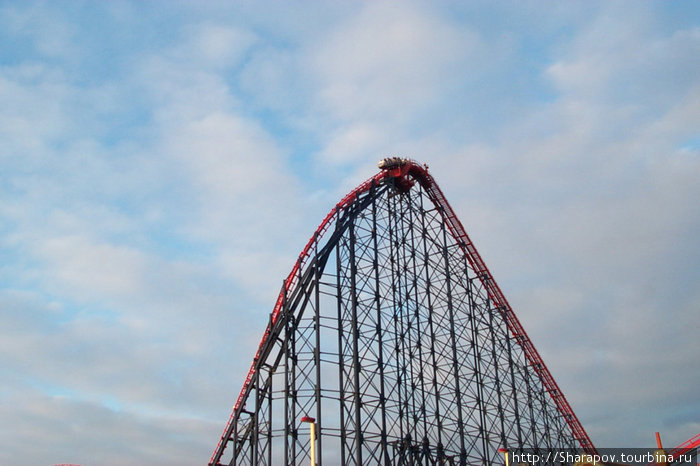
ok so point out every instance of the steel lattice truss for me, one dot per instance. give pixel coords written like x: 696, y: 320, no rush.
x: 392, y: 334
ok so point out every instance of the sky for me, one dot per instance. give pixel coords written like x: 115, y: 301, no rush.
x: 162, y: 164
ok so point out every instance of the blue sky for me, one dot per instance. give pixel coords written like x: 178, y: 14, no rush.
x: 163, y: 163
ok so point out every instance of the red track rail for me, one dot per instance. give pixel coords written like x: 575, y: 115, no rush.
x: 693, y: 442
x: 420, y: 173
x: 501, y: 303
x: 289, y: 283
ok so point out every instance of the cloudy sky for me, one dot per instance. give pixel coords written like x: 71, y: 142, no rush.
x: 163, y: 163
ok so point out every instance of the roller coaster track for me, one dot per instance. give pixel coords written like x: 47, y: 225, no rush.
x: 402, y: 177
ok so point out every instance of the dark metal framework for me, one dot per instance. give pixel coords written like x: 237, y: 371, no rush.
x: 391, y: 332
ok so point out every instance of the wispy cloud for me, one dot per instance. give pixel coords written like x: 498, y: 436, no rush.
x: 160, y: 169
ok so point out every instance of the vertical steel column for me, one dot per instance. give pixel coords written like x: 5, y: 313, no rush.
x: 399, y: 353
x: 341, y: 362
x: 453, y: 339
x: 531, y: 409
x: 406, y: 333
x: 256, y: 428
x: 236, y: 441
x: 251, y: 442
x: 287, y: 356
x: 496, y: 377
x: 547, y: 428
x: 375, y: 266
x: 292, y: 338
x: 405, y: 329
x: 477, y: 367
x: 431, y: 325
x: 511, y: 369
x: 411, y: 283
x: 269, y: 415
x: 317, y: 357
x: 355, y: 354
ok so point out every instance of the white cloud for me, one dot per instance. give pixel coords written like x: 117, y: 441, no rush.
x: 99, y: 270
x: 218, y: 46
x: 149, y: 216
x: 51, y: 39
x: 380, y: 70
x: 390, y: 61
x: 87, y: 433
x: 99, y: 228
x: 584, y: 212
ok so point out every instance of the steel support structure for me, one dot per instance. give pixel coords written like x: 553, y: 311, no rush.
x: 391, y: 332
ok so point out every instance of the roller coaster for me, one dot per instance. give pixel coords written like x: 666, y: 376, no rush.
x: 392, y: 339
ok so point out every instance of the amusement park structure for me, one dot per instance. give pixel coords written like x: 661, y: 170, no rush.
x: 392, y: 339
